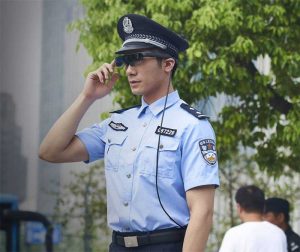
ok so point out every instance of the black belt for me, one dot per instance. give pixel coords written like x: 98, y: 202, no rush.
x: 137, y: 239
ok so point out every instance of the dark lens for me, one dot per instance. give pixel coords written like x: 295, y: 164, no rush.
x: 119, y: 61
x: 132, y: 59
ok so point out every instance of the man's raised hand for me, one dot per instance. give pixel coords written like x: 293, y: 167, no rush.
x: 100, y: 82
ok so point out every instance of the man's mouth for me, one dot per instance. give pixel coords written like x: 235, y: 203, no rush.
x: 133, y: 81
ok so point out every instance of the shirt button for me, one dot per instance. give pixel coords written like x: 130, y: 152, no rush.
x: 133, y: 148
x: 128, y: 175
x: 127, y: 229
x: 109, y: 140
x: 144, y: 124
x: 125, y: 204
x: 161, y: 146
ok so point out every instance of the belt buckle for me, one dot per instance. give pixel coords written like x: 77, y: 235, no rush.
x: 131, y: 241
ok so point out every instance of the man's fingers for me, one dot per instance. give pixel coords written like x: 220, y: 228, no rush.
x: 113, y: 63
x: 113, y: 80
x: 107, y: 70
x: 115, y: 77
x: 111, y: 66
x: 108, y: 67
x: 100, y: 75
x: 104, y: 72
x: 93, y: 75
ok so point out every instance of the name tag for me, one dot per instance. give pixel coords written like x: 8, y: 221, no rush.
x: 165, y: 131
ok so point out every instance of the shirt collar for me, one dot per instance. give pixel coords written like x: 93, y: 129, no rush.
x: 157, y: 106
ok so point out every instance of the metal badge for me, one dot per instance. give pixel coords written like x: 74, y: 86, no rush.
x: 117, y: 126
x: 127, y: 25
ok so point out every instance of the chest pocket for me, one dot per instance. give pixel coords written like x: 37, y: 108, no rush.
x: 114, y: 144
x: 168, y: 155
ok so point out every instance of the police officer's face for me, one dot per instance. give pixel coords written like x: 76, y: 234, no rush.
x: 273, y: 218
x: 148, y: 78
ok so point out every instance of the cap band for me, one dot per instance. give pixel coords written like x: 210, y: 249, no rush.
x: 147, y: 41
x: 151, y: 38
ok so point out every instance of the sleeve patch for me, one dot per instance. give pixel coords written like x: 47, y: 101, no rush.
x: 208, y: 151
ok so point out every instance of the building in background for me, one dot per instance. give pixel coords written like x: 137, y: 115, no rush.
x: 41, y: 74
x: 13, y: 165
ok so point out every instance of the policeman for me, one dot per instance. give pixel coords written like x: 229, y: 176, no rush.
x: 277, y: 212
x: 160, y: 156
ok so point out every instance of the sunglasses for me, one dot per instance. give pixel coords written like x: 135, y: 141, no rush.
x: 135, y: 58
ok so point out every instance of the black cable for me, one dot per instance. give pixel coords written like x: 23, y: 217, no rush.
x: 157, y: 158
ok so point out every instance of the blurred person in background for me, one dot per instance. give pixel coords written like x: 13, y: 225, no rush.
x: 277, y: 211
x: 254, y: 234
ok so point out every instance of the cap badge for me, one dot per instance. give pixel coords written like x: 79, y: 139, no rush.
x: 127, y: 25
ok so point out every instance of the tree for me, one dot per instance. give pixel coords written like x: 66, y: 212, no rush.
x: 81, y: 209
x: 225, y: 37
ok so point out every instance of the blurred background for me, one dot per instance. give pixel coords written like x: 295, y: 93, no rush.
x: 41, y: 74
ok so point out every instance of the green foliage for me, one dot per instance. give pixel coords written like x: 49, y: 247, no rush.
x: 81, y: 209
x: 225, y: 37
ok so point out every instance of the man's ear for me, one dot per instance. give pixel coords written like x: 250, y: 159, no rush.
x: 169, y: 64
x: 280, y: 218
x: 239, y: 209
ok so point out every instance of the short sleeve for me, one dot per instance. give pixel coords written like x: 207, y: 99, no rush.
x: 199, y: 164
x: 92, y: 137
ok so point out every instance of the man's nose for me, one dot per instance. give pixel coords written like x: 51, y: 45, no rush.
x: 130, y: 70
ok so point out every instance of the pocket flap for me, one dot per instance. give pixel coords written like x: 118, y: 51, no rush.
x: 166, y: 143
x: 117, y: 139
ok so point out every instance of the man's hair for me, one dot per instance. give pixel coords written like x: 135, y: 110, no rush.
x: 277, y: 206
x: 251, y: 199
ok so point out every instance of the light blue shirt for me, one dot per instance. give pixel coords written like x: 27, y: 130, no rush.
x: 128, y: 143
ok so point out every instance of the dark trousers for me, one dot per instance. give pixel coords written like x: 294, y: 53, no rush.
x: 163, y: 247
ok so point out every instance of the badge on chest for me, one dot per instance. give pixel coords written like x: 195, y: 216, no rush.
x: 117, y: 126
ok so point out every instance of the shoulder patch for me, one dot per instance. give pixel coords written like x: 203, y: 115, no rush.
x: 193, y: 111
x: 208, y: 150
x: 122, y: 110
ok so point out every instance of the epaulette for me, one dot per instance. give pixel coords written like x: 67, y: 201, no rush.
x: 193, y: 111
x: 122, y: 110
